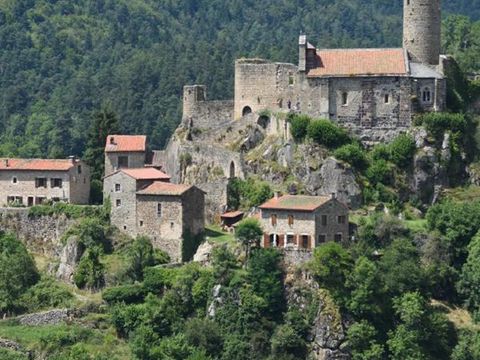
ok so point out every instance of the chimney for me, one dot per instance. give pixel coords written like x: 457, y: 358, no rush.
x: 6, y: 163
x: 276, y: 194
x: 302, y: 53
x: 72, y: 159
x: 112, y: 140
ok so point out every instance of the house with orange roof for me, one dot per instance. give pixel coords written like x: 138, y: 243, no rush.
x: 125, y: 151
x: 144, y: 202
x: 303, y: 222
x: 28, y: 182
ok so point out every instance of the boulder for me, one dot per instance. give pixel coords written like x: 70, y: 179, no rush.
x: 71, y: 254
x: 203, y: 253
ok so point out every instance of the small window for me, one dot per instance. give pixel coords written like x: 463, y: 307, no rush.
x: 426, y: 95
x: 56, y: 183
x: 342, y: 219
x: 124, y: 227
x: 305, y: 241
x: 344, y: 98
x: 291, y: 80
x: 118, y: 202
x: 338, y: 237
x: 79, y: 169
x: 246, y: 110
x: 386, y: 98
x: 291, y: 239
x: 40, y: 182
x: 290, y: 220
x: 14, y: 180
x: 273, y: 219
x: 322, y: 238
x: 159, y: 209
x: 324, y: 220
x: 118, y: 188
x: 122, y: 162
x: 172, y: 224
x: 141, y: 223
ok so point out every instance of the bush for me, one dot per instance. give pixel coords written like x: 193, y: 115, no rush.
x: 46, y: 294
x: 90, y: 271
x: 69, y: 210
x: 402, y: 150
x: 127, y: 294
x: 92, y: 233
x: 156, y: 279
x: 380, y: 152
x: 352, y: 154
x: 379, y: 172
x: 140, y: 255
x: 326, y: 133
x: 298, y: 126
x: 437, y: 123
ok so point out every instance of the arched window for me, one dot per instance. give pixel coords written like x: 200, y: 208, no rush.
x: 344, y: 98
x: 246, y: 110
x: 426, y: 95
x: 263, y: 121
x: 232, y: 170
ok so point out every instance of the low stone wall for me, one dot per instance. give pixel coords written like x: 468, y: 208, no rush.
x: 52, y: 317
x: 40, y: 234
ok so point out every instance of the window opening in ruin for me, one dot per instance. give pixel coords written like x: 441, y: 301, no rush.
x: 118, y: 187
x: 141, y: 223
x: 426, y: 95
x: 344, y: 98
x: 159, y: 209
x: 291, y: 239
x: 14, y: 180
x: 290, y: 220
x: 305, y: 241
x: 387, y: 98
x: 123, y: 162
x: 246, y: 110
x: 40, y: 182
x: 273, y: 219
x: 232, y: 170
x: 124, y: 227
x: 291, y: 80
x: 263, y: 121
x: 79, y: 169
x: 322, y: 238
x: 324, y: 220
x: 289, y: 104
x: 338, y: 237
x: 56, y: 183
x: 280, y: 103
x: 118, y: 202
x: 259, y: 100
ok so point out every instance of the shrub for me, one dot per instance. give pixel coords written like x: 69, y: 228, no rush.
x: 352, y: 154
x: 69, y: 210
x: 324, y: 132
x: 298, y: 126
x: 90, y: 271
x: 156, y: 279
x: 379, y: 172
x: 437, y: 123
x: 380, y: 152
x: 92, y: 233
x: 402, y: 150
x: 140, y: 255
x: 127, y: 294
x: 46, y: 294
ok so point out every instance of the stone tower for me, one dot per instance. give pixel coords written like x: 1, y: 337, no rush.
x: 422, y: 30
x: 192, y: 95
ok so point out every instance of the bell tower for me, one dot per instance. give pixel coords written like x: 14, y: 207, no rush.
x: 422, y: 30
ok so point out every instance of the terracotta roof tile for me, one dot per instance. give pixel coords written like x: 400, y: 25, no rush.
x: 295, y: 202
x: 146, y: 174
x: 126, y: 143
x: 36, y: 164
x: 164, y: 188
x: 355, y: 62
x: 232, y: 214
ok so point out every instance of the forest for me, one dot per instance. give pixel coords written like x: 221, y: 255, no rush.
x: 63, y: 61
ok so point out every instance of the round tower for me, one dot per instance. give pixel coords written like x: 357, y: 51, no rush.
x: 422, y: 30
x: 192, y: 95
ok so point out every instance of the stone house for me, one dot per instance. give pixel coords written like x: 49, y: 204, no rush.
x: 303, y: 222
x: 31, y: 182
x: 125, y: 151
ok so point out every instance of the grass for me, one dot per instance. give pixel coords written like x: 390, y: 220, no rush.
x: 59, y: 339
x: 416, y: 225
x: 216, y: 235
x: 463, y: 194
x: 461, y: 318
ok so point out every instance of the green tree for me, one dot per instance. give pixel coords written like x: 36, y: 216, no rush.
x: 90, y: 271
x: 362, y: 342
x: 140, y: 255
x: 469, y: 284
x: 104, y: 122
x: 352, y: 154
x: 298, y: 126
x: 17, y: 272
x: 402, y: 150
x: 326, y: 133
x: 249, y: 232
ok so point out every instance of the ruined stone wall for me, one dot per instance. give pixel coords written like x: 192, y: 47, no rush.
x: 135, y: 160
x: 260, y: 85
x: 122, y: 215
x: 194, y: 211
x: 422, y: 30
x: 166, y: 230
x: 40, y: 234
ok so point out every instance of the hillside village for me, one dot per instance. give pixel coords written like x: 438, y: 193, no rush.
x: 282, y: 210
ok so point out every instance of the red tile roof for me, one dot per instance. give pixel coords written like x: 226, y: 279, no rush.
x: 164, y: 188
x: 295, y: 202
x: 36, y: 164
x: 232, y: 214
x: 355, y: 62
x: 126, y: 143
x: 146, y: 174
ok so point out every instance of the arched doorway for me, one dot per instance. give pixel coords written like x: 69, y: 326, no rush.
x: 232, y: 170
x: 263, y: 121
x: 246, y: 110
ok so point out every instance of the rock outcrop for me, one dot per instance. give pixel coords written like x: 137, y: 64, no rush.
x: 69, y: 258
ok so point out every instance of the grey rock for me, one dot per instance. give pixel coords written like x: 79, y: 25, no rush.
x: 71, y: 254
x: 203, y: 253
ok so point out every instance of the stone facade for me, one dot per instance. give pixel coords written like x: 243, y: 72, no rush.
x: 296, y: 228
x: 29, y: 186
x: 134, y: 160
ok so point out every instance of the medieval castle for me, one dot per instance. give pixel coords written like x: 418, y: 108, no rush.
x: 372, y: 92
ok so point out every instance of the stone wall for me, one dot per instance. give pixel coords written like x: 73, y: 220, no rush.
x: 40, y: 234
x: 135, y: 160
x: 193, y: 211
